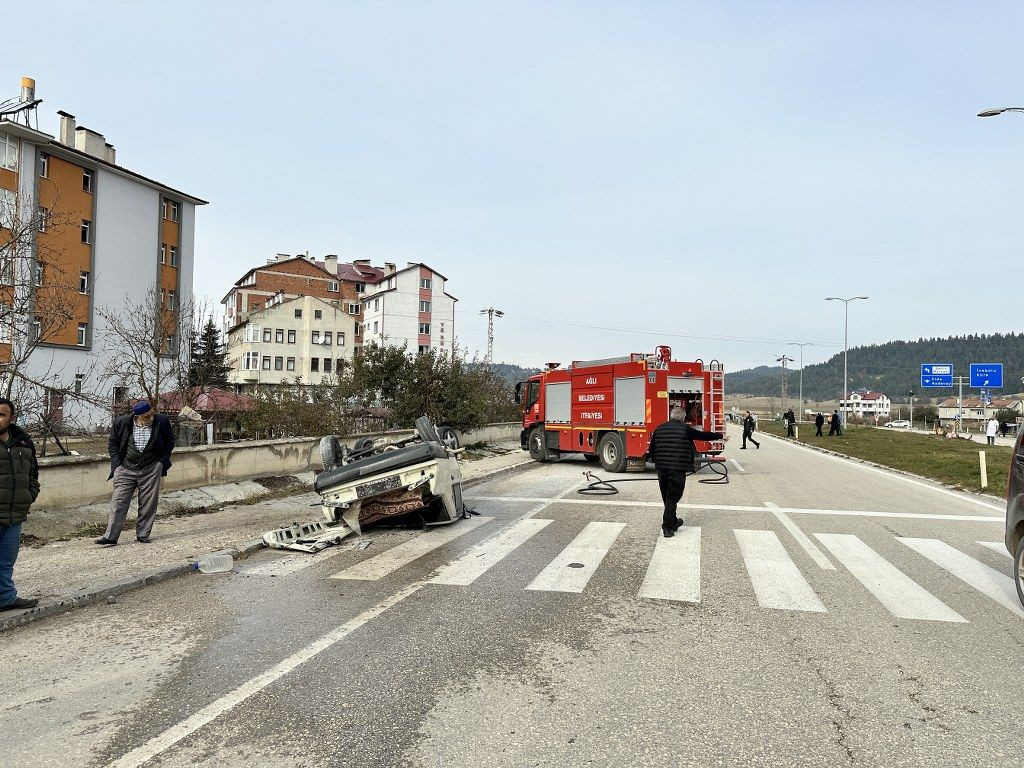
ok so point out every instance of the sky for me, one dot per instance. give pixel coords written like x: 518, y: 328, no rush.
x: 613, y: 176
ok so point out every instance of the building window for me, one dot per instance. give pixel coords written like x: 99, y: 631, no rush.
x: 266, y: 362
x: 267, y: 334
x: 298, y: 313
x: 37, y: 329
x: 291, y: 364
x: 252, y: 333
x: 44, y: 165
x: 355, y: 329
x: 163, y: 253
x: 278, y: 363
x: 6, y: 270
x: 279, y: 336
x: 332, y: 286
x: 353, y: 309
x: 40, y: 269
x: 327, y: 364
x: 44, y: 214
x: 87, y: 179
x: 314, y: 364
x: 175, y: 211
x: 424, y: 306
x: 172, y: 344
x: 86, y: 231
x: 5, y: 324
x: 83, y: 331
x: 8, y: 152
x: 425, y: 328
x: 341, y: 338
x: 8, y: 208
x: 391, y: 283
x: 79, y: 380
x: 376, y: 305
x: 425, y: 283
x: 328, y: 338
x: 375, y: 326
x: 83, y: 282
x: 318, y: 314
x: 250, y: 361
x: 424, y: 349
x: 360, y: 287
x: 120, y: 395
x: 338, y: 365
x: 173, y: 261
x: 170, y: 299
x: 315, y: 337
x: 291, y: 337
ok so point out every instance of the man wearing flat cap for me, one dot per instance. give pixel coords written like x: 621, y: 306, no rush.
x: 140, y: 448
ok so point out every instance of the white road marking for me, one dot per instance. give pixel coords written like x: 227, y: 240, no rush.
x: 164, y: 741
x: 480, y: 558
x: 997, y: 546
x: 901, y: 595
x: 801, y: 538
x: 739, y: 508
x: 893, y: 475
x: 990, y: 582
x: 674, y: 570
x: 737, y: 465
x: 777, y: 581
x: 572, y: 569
x: 390, y: 560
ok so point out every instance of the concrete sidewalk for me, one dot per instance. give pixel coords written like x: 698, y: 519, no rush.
x: 77, y: 572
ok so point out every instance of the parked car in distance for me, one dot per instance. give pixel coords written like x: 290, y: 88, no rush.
x: 1015, y: 514
x: 898, y: 424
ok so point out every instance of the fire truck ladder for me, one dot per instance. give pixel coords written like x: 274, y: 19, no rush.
x: 717, y: 396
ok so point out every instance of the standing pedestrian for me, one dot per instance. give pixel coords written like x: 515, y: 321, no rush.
x: 790, y: 418
x: 835, y: 426
x: 991, y: 430
x: 819, y: 422
x: 749, y: 425
x: 140, y: 448
x: 19, y: 487
x: 673, y: 454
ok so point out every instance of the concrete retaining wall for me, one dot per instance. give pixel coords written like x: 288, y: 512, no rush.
x: 71, y: 481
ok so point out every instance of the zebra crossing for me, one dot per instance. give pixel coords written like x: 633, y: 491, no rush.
x: 673, y: 572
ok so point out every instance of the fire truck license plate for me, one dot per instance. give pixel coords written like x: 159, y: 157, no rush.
x: 378, y: 486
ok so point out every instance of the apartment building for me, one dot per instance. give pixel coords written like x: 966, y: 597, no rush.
x: 411, y: 307
x: 304, y: 339
x: 102, y: 235
x: 866, y: 404
x: 342, y: 284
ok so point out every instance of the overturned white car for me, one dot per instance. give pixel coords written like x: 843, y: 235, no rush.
x: 418, y: 476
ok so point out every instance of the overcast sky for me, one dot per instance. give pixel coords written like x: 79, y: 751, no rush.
x: 706, y: 171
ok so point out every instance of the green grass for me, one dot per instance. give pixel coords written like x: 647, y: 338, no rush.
x: 950, y: 461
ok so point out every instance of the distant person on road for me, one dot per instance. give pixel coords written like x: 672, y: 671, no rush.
x: 790, y: 418
x: 819, y: 422
x: 991, y: 430
x: 140, y: 448
x: 835, y: 426
x: 19, y: 487
x: 674, y: 455
x: 749, y: 425
x: 1003, y: 428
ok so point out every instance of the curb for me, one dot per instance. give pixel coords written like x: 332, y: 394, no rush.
x: 93, y: 595
x: 893, y: 470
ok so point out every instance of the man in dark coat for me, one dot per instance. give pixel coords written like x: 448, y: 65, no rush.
x: 140, y: 448
x: 790, y: 418
x: 819, y: 422
x: 673, y: 454
x: 835, y: 426
x: 19, y: 487
x: 749, y: 425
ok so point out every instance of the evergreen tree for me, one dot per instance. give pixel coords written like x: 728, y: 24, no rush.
x: 208, y: 366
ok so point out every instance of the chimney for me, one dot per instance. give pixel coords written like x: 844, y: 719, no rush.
x: 109, y: 153
x: 361, y: 262
x: 67, y: 129
x: 331, y: 263
x: 90, y: 142
x: 283, y: 257
x: 389, y: 268
x: 28, y: 89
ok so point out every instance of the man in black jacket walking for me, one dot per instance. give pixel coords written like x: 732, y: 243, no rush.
x: 19, y: 487
x: 673, y: 454
x: 140, y: 448
x: 749, y: 424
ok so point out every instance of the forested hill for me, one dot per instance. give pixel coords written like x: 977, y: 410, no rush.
x: 511, y: 373
x: 893, y: 368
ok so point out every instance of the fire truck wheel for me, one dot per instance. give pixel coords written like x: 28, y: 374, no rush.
x: 538, y: 451
x: 612, y: 452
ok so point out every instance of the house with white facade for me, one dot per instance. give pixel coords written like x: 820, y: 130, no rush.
x: 867, y: 405
x: 410, y: 307
x: 304, y: 340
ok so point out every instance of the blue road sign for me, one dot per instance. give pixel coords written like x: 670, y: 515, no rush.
x: 936, y: 374
x: 987, y: 375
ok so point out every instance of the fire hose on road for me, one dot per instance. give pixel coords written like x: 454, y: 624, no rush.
x: 600, y: 487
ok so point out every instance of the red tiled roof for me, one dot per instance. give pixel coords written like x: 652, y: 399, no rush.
x: 208, y: 400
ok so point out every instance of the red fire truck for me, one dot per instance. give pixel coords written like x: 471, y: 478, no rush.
x: 608, y: 409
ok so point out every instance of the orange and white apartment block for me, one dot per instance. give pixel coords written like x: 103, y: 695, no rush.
x: 410, y: 307
x: 128, y: 233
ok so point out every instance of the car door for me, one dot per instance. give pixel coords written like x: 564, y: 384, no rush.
x: 1015, y: 492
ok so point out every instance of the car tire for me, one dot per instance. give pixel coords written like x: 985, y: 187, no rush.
x: 1018, y: 570
x: 330, y: 452
x: 537, y: 446
x: 612, y: 452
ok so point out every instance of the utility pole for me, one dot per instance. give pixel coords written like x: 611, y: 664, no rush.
x: 912, y: 409
x: 783, y: 359
x: 491, y: 313
x: 802, y: 344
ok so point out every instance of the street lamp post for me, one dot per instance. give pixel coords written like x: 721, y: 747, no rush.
x: 802, y: 345
x: 846, y: 336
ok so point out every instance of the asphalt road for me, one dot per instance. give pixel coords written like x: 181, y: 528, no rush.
x: 813, y: 612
